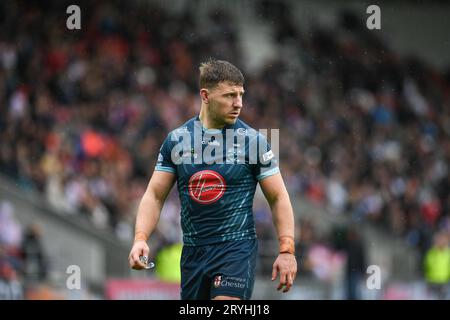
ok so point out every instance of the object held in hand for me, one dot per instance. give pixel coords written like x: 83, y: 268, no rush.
x: 148, y: 264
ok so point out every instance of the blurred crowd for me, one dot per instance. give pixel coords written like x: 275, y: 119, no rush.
x: 364, y: 131
x: 23, y: 261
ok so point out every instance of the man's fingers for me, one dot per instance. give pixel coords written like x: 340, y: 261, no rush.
x: 287, y: 271
x: 274, y: 271
x: 136, y: 263
x: 282, y: 280
x: 290, y: 279
x: 288, y: 283
x: 130, y: 261
x: 136, y: 267
x: 133, y: 264
x: 287, y: 288
x: 134, y: 256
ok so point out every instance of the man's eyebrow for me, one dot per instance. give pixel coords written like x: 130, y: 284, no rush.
x: 235, y: 91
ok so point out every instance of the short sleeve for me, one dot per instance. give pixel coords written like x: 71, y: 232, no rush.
x: 164, y: 162
x: 267, y: 162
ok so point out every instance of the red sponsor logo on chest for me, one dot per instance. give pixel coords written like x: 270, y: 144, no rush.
x: 206, y: 186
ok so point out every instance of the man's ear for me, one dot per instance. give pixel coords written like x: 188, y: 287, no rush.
x: 204, y: 94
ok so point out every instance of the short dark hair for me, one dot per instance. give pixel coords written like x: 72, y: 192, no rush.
x: 214, y: 71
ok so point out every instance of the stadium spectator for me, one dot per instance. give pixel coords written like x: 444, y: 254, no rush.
x: 356, y: 264
x: 11, y: 264
x: 437, y: 266
x: 35, y: 264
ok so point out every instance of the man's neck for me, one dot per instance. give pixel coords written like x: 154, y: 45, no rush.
x: 207, y: 123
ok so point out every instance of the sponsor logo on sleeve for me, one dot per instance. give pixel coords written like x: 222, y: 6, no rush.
x: 267, y: 156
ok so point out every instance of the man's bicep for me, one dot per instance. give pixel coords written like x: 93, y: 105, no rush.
x: 272, y: 187
x: 161, y: 183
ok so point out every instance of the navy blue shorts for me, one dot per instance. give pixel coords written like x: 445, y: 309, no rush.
x: 226, y: 268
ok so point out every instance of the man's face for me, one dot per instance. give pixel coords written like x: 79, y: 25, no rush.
x: 225, y: 103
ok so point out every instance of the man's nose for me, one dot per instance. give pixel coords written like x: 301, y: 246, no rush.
x: 237, y: 102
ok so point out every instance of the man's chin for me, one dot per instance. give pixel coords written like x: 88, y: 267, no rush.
x: 231, y: 121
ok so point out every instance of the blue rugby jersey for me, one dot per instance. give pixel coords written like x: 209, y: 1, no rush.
x: 216, y: 178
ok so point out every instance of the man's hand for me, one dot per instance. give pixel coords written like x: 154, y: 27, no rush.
x: 286, y: 265
x: 140, y: 248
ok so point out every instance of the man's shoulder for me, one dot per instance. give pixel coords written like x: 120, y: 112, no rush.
x: 242, y: 124
x: 242, y: 128
x: 186, y: 127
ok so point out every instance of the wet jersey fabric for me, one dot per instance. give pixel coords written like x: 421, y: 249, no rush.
x: 216, y: 178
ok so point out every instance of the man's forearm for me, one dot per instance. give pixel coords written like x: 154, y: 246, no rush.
x: 147, y: 217
x: 283, y: 218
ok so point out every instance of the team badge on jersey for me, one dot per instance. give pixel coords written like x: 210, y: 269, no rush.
x: 217, y: 281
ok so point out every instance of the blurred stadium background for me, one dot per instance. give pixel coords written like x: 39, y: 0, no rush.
x: 364, y: 118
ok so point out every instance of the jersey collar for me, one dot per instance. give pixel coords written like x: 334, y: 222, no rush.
x: 214, y: 131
